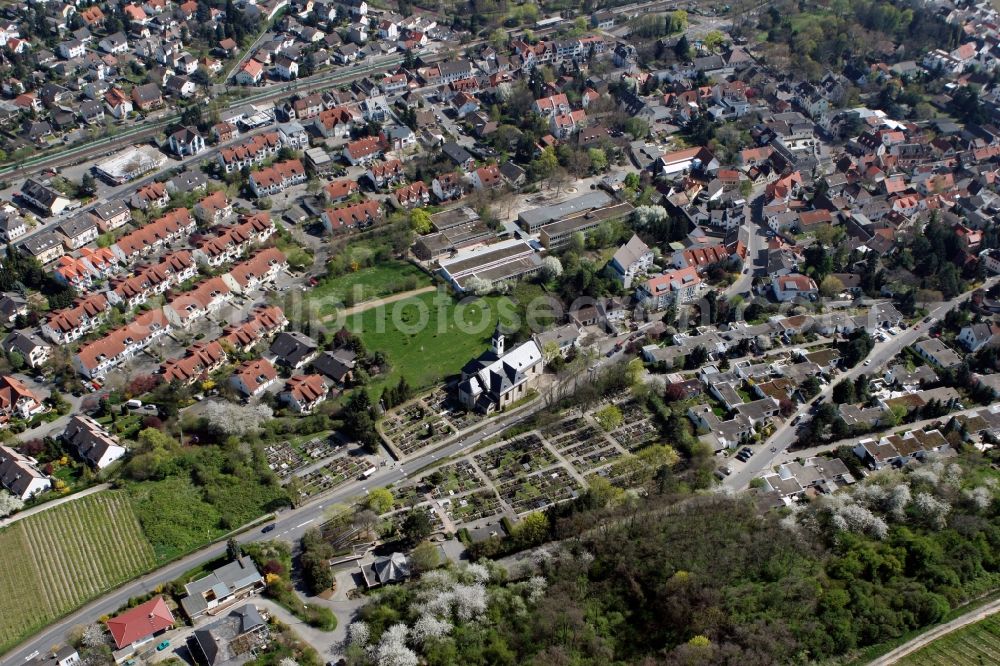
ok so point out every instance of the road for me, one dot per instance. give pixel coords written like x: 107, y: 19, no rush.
x: 756, y: 261
x: 923, y: 639
x: 882, y: 353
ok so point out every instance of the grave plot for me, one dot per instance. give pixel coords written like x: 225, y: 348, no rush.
x: 441, y: 403
x: 583, y: 445
x: 516, y: 457
x: 454, y: 479
x: 283, y: 459
x: 537, y: 491
x: 637, y: 429
x: 415, y: 427
x: 472, y: 506
x: 333, y: 474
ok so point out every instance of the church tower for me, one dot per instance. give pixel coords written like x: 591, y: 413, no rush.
x: 497, y: 341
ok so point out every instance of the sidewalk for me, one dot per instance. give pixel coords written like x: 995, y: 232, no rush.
x: 48, y: 505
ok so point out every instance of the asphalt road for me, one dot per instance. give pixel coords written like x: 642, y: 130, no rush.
x: 881, y: 354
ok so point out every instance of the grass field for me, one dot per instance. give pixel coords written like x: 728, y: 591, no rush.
x: 423, y: 336
x: 56, y: 560
x: 366, y: 284
x: 975, y: 644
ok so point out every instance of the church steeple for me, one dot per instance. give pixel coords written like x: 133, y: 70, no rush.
x: 497, y: 341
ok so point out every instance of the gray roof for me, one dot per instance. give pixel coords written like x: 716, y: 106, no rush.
x: 545, y: 214
x: 630, y: 252
x: 217, y: 640
x: 456, y: 153
x: 291, y: 347
x: 392, y: 569
x: 222, y: 582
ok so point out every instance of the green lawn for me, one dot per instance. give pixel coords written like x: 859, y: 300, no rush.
x: 366, y: 284
x: 975, y: 644
x: 60, y: 558
x: 429, y: 337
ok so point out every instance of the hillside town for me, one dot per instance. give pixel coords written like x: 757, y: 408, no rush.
x: 309, y: 301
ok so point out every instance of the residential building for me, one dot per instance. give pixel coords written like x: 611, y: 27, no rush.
x: 293, y: 349
x: 233, y: 638
x: 198, y: 361
x: 261, y: 324
x: 95, y: 359
x: 251, y: 378
x: 78, y: 231
x: 977, y: 336
x: 139, y: 625
x: 938, y: 353
x: 631, y: 260
x: 46, y: 199
x: 277, y: 177
x: 226, y: 586
x: 70, y: 324
x: 302, y: 393
x: 259, y: 270
x: 794, y: 285
x: 92, y: 442
x: 203, y: 299
x: 186, y: 142
x: 352, y: 216
x: 20, y: 475
x: 31, y: 348
x: 675, y: 287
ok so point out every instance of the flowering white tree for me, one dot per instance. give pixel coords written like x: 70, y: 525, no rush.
x: 428, y: 627
x: 478, y: 572
x: 551, y: 268
x: 391, y: 649
x: 288, y: 661
x: 9, y: 504
x: 858, y: 519
x: 646, y: 215
x: 932, y: 509
x: 237, y: 420
x: 979, y: 497
x: 478, y: 286
x: 358, y: 634
x: 469, y: 601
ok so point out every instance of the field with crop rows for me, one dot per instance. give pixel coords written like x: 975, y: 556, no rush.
x: 975, y: 644
x: 56, y: 560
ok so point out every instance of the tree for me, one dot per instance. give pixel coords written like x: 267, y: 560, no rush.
x: 682, y: 49
x: 416, y: 526
x: 598, y: 160
x: 811, y: 386
x: 609, y: 417
x: 420, y: 221
x: 380, y: 500
x: 831, y: 286
x: 843, y: 392
x: 233, y: 549
x: 9, y: 503
x: 425, y: 557
x: 551, y: 268
x: 88, y: 184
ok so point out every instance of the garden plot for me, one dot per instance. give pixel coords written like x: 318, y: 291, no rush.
x: 515, y: 457
x: 637, y: 429
x: 332, y: 474
x: 536, y: 491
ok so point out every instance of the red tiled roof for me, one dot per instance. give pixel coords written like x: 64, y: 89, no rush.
x: 139, y: 622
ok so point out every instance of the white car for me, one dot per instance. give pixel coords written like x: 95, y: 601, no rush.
x: 868, y: 362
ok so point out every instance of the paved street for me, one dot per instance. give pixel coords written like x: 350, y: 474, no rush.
x: 882, y: 353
